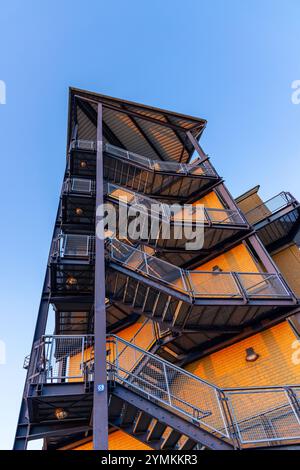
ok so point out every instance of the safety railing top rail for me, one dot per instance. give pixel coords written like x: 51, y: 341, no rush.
x: 252, y: 414
x: 197, y: 284
x: 81, y: 144
x: 175, y: 212
x: 195, y: 169
x: 269, y: 207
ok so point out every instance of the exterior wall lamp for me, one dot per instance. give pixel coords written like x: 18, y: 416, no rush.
x: 251, y: 355
x: 60, y: 414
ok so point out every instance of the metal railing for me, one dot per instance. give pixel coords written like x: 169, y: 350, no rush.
x: 79, y: 186
x: 197, y: 284
x: 63, y: 358
x: 249, y: 416
x: 193, y: 169
x: 174, y: 213
x: 265, y: 414
x: 270, y: 207
x: 81, y: 144
x: 161, y: 382
x: 73, y: 246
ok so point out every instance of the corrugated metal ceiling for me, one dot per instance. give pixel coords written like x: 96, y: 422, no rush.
x: 156, y: 134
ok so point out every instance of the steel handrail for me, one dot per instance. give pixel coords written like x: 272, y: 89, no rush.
x: 287, y: 197
x: 185, y: 275
x: 154, y: 165
x: 166, y: 209
x: 164, y: 361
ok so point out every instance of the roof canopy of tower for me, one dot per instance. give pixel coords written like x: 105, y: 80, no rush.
x: 154, y: 133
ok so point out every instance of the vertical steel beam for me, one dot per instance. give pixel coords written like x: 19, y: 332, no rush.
x: 263, y: 255
x: 196, y: 146
x: 221, y: 188
x: 100, y: 412
x: 228, y: 199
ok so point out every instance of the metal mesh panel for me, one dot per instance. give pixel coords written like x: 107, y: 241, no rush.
x: 138, y: 260
x: 75, y: 245
x: 81, y: 185
x: 263, y: 285
x: 145, y: 203
x: 224, y: 216
x: 213, y: 284
x: 263, y: 415
x: 64, y: 358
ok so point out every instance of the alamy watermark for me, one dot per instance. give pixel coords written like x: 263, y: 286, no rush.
x: 2, y: 92
x: 2, y: 352
x: 149, y: 222
x: 296, y: 93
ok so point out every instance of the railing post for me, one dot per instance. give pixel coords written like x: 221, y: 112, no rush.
x: 229, y: 420
x: 293, y: 399
x: 167, y: 383
x: 117, y: 359
x: 240, y: 286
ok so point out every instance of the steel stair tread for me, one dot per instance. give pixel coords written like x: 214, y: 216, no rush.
x: 142, y: 423
x: 171, y: 440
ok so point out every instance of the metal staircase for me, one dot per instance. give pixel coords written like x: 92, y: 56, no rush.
x: 168, y: 228
x: 166, y: 180
x: 189, y: 300
x: 158, y: 403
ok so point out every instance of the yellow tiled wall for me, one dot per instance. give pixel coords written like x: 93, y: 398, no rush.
x: 250, y: 202
x: 288, y: 261
x: 117, y: 440
x: 278, y: 362
x: 211, y: 200
x: 237, y: 259
x: 145, y: 338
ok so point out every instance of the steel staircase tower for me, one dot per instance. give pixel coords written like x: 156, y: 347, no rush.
x: 97, y: 287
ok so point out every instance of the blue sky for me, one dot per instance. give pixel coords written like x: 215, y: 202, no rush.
x: 229, y: 61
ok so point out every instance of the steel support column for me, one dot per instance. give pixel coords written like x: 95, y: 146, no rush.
x: 197, y: 146
x: 100, y: 412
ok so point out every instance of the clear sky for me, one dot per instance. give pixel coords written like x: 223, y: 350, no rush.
x: 229, y: 61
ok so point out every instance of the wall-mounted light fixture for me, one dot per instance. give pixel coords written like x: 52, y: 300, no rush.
x: 78, y: 211
x: 251, y: 355
x: 71, y: 281
x: 60, y: 413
